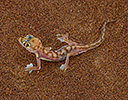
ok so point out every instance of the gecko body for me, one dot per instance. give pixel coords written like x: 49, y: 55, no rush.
x: 34, y: 45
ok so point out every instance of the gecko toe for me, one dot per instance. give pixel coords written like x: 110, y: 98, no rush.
x: 63, y: 67
x: 61, y: 40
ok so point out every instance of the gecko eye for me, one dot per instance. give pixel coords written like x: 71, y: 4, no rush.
x: 26, y: 44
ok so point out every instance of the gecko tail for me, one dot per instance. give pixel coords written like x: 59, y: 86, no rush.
x: 100, y: 40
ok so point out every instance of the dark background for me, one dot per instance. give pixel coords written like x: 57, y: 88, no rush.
x: 98, y: 74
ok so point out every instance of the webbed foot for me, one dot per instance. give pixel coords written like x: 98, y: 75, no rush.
x: 63, y: 67
x: 29, y: 67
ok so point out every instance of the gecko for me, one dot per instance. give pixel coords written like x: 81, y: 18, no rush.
x: 34, y: 45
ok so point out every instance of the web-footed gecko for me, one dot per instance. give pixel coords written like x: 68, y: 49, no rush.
x: 34, y: 45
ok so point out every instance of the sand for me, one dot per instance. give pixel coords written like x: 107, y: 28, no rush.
x: 98, y: 74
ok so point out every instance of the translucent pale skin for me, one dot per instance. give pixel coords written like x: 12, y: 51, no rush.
x: 33, y: 45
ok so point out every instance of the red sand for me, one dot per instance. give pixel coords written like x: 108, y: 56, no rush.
x: 98, y: 74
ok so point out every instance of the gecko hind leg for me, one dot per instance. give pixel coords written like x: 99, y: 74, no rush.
x: 65, y: 65
x: 64, y: 38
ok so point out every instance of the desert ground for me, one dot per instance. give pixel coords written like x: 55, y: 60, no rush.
x: 98, y: 74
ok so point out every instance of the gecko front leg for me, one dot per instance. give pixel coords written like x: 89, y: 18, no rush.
x: 30, y: 66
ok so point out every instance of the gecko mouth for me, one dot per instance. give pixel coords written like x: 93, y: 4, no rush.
x: 20, y: 40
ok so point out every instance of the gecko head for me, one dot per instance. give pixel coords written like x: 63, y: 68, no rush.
x: 30, y: 43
